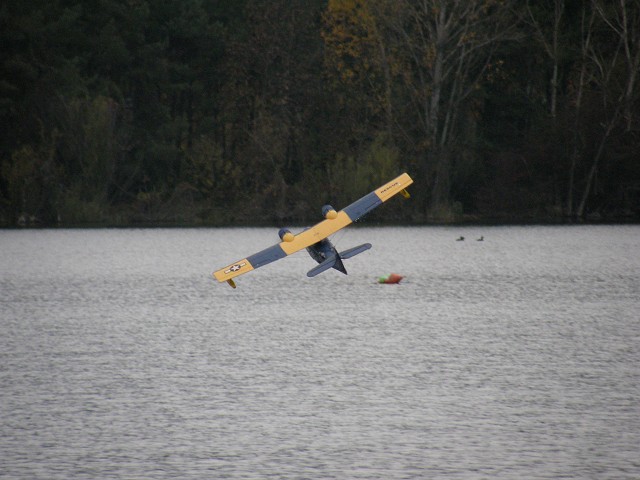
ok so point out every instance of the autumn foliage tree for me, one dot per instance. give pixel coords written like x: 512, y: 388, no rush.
x: 423, y: 64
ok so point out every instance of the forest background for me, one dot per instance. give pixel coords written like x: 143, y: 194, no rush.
x: 257, y: 112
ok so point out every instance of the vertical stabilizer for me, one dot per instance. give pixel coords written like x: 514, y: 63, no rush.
x: 338, y: 265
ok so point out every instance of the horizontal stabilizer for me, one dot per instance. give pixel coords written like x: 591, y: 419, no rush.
x: 352, y: 252
x: 326, y: 265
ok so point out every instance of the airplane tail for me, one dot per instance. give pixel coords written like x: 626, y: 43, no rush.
x: 335, y: 261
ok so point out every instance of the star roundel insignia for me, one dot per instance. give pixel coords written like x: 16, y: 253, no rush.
x: 235, y: 268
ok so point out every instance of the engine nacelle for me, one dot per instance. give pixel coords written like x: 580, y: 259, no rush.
x: 286, y: 235
x: 328, y: 212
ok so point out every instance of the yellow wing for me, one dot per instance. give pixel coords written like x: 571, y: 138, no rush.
x: 322, y: 230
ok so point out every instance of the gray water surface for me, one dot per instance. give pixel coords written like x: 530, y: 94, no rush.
x: 515, y: 357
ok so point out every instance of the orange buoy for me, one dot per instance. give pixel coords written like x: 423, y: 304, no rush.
x: 391, y: 278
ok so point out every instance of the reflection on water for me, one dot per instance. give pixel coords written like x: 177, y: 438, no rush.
x: 515, y: 357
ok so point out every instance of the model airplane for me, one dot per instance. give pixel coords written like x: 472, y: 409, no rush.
x: 315, y: 239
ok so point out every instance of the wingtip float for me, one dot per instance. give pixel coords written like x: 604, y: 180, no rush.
x: 315, y: 239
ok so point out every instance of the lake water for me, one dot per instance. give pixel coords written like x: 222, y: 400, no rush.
x: 515, y: 357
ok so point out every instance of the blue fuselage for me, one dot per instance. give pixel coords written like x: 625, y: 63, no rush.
x: 323, y: 250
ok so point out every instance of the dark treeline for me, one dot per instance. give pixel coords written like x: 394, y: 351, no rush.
x: 213, y: 112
